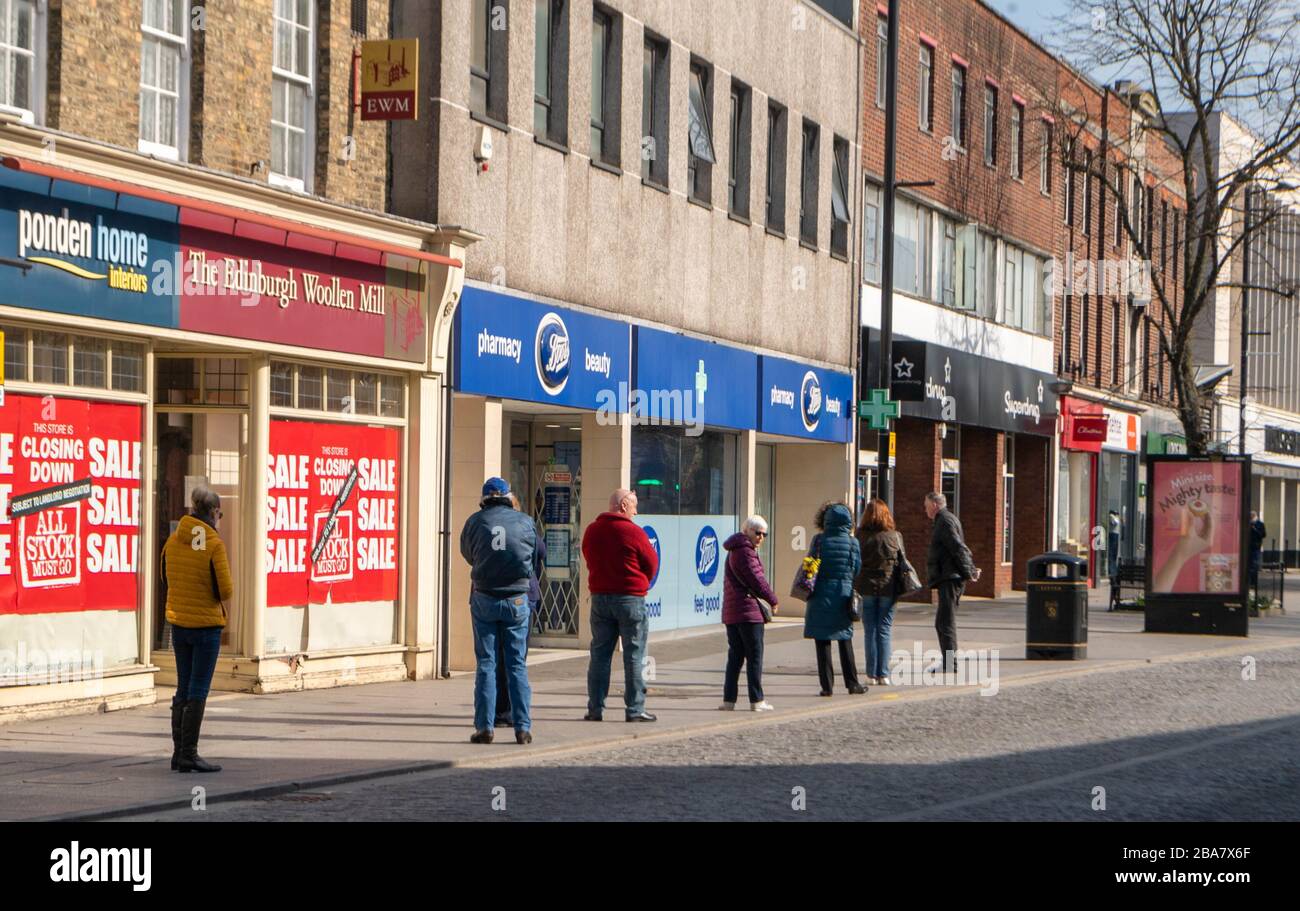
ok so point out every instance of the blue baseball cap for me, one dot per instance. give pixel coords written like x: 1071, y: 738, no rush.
x: 496, y: 487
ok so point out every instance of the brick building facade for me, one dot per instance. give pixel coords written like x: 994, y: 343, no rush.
x: 235, y: 294
x: 993, y: 120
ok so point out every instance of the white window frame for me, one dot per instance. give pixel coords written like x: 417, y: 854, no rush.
x: 957, y: 121
x: 925, y: 104
x: 39, y: 56
x: 990, y: 125
x: 308, y: 83
x: 1017, y: 140
x: 180, y: 41
x: 1045, y: 159
x: 882, y: 54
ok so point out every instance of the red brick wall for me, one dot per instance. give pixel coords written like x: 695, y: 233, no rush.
x: 915, y: 475
x: 981, y: 508
x: 97, y: 94
x: 1014, y: 207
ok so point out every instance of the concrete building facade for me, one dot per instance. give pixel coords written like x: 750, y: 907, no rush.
x: 667, y: 193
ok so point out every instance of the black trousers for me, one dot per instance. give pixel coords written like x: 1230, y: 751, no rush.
x: 945, y: 621
x: 744, y: 646
x: 826, y: 671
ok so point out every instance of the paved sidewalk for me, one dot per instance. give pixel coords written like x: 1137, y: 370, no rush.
x: 103, y: 765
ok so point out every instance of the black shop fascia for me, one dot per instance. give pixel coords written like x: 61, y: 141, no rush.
x: 944, y: 384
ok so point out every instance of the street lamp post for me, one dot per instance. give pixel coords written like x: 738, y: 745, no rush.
x: 887, y: 240
x: 1245, y: 330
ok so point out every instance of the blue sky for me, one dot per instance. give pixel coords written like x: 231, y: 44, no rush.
x: 1039, y: 19
x: 1033, y: 16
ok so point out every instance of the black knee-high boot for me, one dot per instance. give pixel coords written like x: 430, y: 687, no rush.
x: 191, y: 722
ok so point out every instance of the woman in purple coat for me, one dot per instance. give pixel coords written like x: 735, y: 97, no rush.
x: 743, y: 583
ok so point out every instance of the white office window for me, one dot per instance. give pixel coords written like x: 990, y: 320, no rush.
x: 162, y: 61
x: 925, y: 105
x: 291, y: 86
x: 18, y: 71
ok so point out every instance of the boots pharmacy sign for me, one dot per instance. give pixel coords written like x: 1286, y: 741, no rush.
x: 83, y: 251
x: 332, y: 513
x: 69, y: 505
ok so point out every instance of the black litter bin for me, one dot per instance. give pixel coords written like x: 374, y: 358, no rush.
x: 1056, y: 622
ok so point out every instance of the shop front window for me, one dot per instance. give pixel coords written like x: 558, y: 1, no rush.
x: 202, y: 381
x: 193, y: 449
x: 1074, y: 517
x: 36, y: 356
x: 49, y: 357
x: 950, y: 479
x: 686, y: 488
x: 334, y: 390
x: 1008, y: 497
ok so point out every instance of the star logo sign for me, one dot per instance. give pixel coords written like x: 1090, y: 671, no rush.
x: 904, y: 369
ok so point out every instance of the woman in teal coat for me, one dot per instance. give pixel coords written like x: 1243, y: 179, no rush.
x: 827, y: 617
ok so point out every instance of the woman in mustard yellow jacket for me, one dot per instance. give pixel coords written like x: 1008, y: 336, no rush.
x: 197, y: 573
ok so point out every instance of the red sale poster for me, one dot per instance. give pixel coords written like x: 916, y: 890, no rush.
x: 311, y: 504
x: 1196, y: 535
x: 79, y: 554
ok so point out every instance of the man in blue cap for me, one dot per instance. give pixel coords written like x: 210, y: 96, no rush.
x: 498, y: 541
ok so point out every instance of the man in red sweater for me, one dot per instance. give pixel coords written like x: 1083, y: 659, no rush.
x: 620, y: 565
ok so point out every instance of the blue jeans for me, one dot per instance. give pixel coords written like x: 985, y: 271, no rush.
x: 504, y: 619
x: 878, y: 628
x: 196, y: 660
x: 613, y: 616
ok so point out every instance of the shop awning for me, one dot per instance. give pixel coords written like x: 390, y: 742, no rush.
x: 211, y: 216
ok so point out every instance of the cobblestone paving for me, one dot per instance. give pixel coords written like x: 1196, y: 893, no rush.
x: 1189, y: 741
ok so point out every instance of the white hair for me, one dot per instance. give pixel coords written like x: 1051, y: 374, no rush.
x: 754, y: 523
x: 937, y: 499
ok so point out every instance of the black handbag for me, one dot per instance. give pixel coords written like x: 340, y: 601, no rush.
x: 906, y: 580
x: 855, y: 608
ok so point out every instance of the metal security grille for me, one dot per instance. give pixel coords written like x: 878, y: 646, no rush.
x: 557, y: 615
x: 359, y: 17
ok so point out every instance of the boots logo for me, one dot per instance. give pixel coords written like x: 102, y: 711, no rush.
x: 706, y: 555
x: 552, y: 354
x: 810, y: 398
x: 659, y: 554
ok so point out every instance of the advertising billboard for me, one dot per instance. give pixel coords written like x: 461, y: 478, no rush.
x: 1196, y: 539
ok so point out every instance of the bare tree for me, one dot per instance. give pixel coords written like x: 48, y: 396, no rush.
x: 1199, y: 61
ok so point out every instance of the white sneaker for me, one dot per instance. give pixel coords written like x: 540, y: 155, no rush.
x: 727, y: 707
x: 763, y: 706
x: 884, y: 681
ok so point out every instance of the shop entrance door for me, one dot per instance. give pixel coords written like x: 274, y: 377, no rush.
x: 198, y: 445
x: 546, y: 476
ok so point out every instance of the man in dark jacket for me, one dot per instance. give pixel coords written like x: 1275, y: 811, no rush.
x: 620, y: 564
x: 949, y: 567
x: 504, y: 714
x: 1258, y: 531
x: 499, y: 542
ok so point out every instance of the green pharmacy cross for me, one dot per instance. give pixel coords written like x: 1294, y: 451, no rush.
x: 879, y: 409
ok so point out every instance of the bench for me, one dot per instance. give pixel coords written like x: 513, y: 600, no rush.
x: 1130, y: 578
